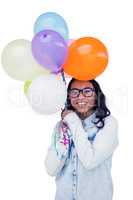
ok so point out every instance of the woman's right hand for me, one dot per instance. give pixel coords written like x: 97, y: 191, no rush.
x: 62, y: 140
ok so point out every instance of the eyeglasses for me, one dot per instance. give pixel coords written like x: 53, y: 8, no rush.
x: 75, y: 92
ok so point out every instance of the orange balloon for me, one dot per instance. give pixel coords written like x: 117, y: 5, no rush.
x: 87, y: 58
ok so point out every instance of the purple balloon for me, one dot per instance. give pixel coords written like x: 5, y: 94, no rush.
x: 50, y: 50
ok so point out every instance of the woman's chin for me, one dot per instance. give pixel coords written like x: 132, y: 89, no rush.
x: 82, y: 111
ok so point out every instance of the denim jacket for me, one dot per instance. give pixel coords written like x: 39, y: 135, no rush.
x: 85, y: 172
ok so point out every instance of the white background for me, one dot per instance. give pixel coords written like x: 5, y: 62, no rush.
x: 25, y: 135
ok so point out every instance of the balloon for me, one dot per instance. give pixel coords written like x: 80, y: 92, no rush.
x: 49, y: 49
x: 87, y: 58
x: 51, y: 21
x: 47, y: 94
x: 70, y: 41
x: 26, y: 86
x: 18, y: 62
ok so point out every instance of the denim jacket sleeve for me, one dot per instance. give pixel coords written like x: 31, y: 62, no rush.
x: 103, y: 146
x: 54, y: 160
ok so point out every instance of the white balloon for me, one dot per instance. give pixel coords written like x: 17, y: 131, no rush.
x: 47, y: 94
x: 18, y: 62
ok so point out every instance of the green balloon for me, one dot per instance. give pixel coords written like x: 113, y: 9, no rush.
x: 26, y: 86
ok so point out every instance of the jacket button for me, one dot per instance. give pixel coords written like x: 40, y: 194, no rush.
x: 74, y: 173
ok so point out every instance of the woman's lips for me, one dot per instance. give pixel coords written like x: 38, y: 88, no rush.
x: 81, y: 104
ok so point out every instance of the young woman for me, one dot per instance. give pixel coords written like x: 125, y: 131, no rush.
x: 82, y: 146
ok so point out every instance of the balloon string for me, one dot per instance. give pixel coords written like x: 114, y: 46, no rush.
x: 63, y: 76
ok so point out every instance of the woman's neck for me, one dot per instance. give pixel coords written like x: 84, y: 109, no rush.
x: 85, y: 115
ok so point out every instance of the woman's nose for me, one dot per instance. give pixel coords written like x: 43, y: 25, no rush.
x: 81, y: 96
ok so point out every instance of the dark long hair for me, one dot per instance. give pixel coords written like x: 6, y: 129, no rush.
x: 100, y: 108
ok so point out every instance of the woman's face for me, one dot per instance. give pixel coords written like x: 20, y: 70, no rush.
x: 82, y: 101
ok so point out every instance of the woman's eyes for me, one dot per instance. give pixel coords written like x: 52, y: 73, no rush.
x: 74, y: 92
x: 87, y: 90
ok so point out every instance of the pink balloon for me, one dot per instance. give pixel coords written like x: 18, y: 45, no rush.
x: 70, y: 41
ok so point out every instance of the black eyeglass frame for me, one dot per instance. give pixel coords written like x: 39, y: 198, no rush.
x: 81, y: 90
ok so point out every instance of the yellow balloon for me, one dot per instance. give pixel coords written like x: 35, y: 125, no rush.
x: 18, y: 62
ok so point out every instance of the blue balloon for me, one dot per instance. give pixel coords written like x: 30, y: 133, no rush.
x: 51, y: 21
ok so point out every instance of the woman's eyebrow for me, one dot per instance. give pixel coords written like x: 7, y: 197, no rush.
x: 81, y: 88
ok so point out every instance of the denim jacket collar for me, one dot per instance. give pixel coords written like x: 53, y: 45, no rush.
x: 89, y: 120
